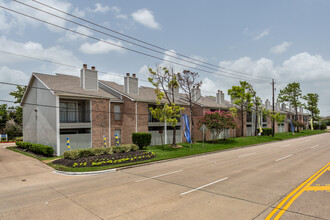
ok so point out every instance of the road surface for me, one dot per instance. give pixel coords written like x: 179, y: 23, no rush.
x: 287, y: 179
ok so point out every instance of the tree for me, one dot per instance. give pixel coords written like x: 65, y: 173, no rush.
x: 216, y: 122
x: 3, y: 115
x: 188, y: 83
x: 312, y: 100
x: 242, y: 99
x: 274, y: 116
x: 18, y: 95
x: 256, y: 101
x: 165, y: 82
x: 13, y: 130
x: 291, y: 94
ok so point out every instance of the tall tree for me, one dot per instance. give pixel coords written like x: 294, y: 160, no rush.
x: 312, y: 100
x: 242, y: 99
x: 3, y: 115
x: 18, y: 95
x: 292, y: 94
x: 166, y: 83
x: 188, y: 83
x: 256, y: 101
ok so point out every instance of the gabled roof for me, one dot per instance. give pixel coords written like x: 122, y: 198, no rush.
x: 146, y: 94
x: 209, y: 102
x: 68, y: 85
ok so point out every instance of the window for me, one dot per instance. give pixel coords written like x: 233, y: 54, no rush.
x: 249, y: 117
x: 117, y: 112
x: 264, y: 118
x: 68, y: 112
x: 118, y: 133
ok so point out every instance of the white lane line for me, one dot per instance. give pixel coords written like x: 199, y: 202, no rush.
x: 165, y: 174
x: 245, y: 155
x: 315, y: 146
x: 287, y: 145
x: 204, y: 186
x: 282, y: 158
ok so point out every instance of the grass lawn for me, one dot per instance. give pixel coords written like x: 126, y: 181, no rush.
x: 164, y: 152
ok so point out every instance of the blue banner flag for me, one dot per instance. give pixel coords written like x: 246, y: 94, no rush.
x: 186, y: 127
x: 292, y: 128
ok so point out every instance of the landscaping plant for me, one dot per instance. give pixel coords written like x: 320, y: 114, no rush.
x: 216, y: 122
x: 141, y: 139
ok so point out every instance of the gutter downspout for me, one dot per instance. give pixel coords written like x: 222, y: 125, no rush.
x: 109, y: 123
x: 136, y: 117
x: 58, y: 142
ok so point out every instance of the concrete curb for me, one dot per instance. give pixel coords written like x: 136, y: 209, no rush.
x: 84, y: 173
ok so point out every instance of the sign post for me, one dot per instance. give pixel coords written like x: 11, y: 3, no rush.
x: 203, y: 128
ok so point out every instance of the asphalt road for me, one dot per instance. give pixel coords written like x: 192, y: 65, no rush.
x: 246, y: 183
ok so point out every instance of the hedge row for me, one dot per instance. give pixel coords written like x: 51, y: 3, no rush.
x: 267, y: 131
x: 36, y: 148
x: 79, y: 153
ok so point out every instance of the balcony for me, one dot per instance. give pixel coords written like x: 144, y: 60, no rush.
x: 75, y: 114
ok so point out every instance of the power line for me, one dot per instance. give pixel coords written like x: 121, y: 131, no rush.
x: 129, y: 49
x: 158, y: 47
x: 68, y: 65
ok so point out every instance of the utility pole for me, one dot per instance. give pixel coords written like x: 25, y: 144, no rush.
x: 273, y: 82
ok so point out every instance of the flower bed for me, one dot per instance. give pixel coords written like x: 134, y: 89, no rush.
x: 106, y: 159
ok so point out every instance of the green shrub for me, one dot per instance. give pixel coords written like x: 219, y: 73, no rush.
x: 36, y: 148
x: 116, y: 149
x: 108, y: 150
x: 318, y: 126
x: 19, y: 139
x: 71, y: 154
x: 267, y: 131
x: 85, y: 152
x: 99, y: 151
x: 3, y: 139
x: 141, y: 139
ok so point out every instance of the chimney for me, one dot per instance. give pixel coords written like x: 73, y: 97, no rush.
x: 283, y: 107
x: 196, y: 94
x: 89, y: 78
x: 220, y: 97
x: 131, y: 84
x: 267, y: 104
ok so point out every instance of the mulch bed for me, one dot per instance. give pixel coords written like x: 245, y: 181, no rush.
x: 103, y: 160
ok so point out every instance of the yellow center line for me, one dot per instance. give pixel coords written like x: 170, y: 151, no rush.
x: 278, y: 207
x: 297, y: 195
x: 318, y: 188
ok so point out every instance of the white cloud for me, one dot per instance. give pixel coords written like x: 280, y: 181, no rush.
x: 113, y: 77
x: 306, y: 67
x: 33, y: 49
x: 146, y: 18
x: 263, y: 34
x: 70, y: 36
x: 18, y: 23
x: 101, y: 47
x: 79, y: 13
x: 100, y: 8
x: 281, y: 48
x: 12, y: 75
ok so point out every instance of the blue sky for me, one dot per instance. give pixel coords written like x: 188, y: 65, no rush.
x: 285, y: 40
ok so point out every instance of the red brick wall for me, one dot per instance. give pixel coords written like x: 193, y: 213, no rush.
x: 127, y: 124
x: 100, y: 121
